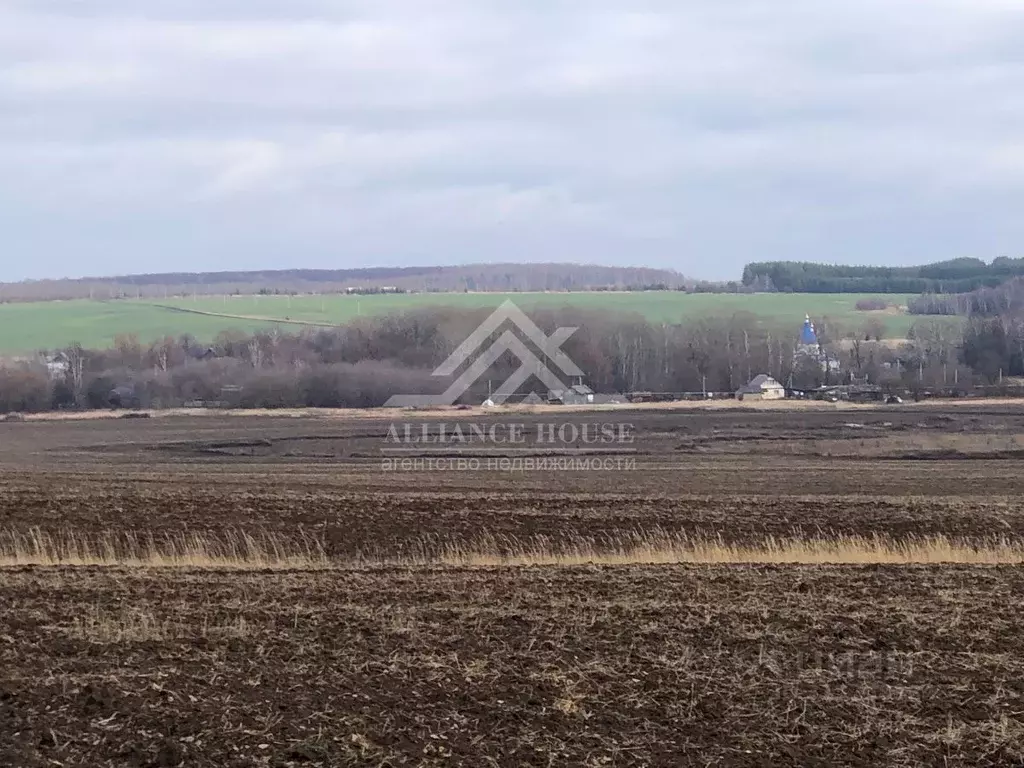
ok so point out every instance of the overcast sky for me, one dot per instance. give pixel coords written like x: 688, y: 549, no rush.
x: 163, y: 135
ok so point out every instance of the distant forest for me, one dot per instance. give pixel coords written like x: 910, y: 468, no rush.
x: 473, y: 277
x: 956, y: 276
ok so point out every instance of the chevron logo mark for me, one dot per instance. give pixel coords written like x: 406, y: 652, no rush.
x: 482, y: 359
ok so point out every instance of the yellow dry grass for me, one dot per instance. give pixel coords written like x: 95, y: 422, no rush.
x: 842, y: 550
x: 238, y: 550
x: 235, y: 550
x: 354, y: 414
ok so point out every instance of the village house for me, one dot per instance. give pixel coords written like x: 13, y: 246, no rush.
x: 578, y: 394
x: 762, y: 387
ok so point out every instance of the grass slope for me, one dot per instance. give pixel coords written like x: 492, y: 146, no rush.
x: 47, y: 325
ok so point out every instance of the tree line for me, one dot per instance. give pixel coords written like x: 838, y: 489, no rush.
x: 472, y: 277
x: 1006, y: 298
x: 954, y: 276
x: 365, y: 362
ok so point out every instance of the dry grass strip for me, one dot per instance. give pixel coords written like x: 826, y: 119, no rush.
x: 243, y: 550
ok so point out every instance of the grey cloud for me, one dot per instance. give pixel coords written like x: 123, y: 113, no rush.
x: 683, y: 134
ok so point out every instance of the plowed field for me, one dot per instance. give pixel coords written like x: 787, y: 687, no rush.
x: 385, y: 657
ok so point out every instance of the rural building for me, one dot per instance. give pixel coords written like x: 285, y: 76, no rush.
x: 810, y: 347
x: 808, y: 336
x: 600, y: 399
x: 855, y: 393
x: 762, y: 387
x: 578, y: 394
x: 58, y: 366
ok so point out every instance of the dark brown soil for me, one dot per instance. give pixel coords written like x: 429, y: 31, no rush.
x: 661, y: 666
x: 626, y: 666
x: 324, y: 478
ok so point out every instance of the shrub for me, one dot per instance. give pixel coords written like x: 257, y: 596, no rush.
x: 870, y: 305
x: 24, y: 388
x: 98, y: 390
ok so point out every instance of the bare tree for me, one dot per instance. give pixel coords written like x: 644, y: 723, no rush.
x: 75, y: 356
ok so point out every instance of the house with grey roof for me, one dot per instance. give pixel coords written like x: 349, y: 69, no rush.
x: 761, y: 387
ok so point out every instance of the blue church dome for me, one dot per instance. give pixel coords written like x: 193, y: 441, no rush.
x: 807, y: 335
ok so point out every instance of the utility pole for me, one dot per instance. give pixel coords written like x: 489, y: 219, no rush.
x: 746, y: 352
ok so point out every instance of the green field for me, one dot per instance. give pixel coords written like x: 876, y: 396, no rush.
x: 50, y: 325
